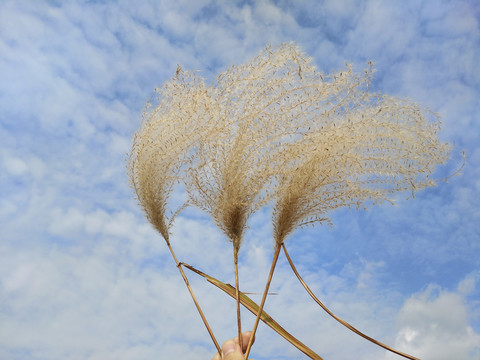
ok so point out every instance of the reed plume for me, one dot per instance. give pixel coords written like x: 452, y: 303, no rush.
x: 257, y: 107
x: 174, y: 121
x: 161, y: 147
x: 351, y: 148
x: 275, y: 131
x: 232, y: 173
x: 363, y: 156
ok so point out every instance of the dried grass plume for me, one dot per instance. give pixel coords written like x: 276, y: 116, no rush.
x: 276, y: 131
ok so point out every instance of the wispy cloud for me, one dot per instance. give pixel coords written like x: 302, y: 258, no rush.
x: 84, y: 276
x: 434, y: 324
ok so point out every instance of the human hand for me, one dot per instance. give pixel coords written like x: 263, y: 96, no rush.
x: 231, y: 348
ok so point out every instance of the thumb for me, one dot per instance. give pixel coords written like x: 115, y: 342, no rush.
x: 231, y: 351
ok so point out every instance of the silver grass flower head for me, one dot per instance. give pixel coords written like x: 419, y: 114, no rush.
x: 174, y: 122
x: 360, y: 149
x: 275, y: 130
x: 231, y: 176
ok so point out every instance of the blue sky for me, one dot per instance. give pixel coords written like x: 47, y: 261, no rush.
x: 84, y: 276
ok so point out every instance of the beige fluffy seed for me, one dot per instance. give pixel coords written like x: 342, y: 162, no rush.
x: 276, y: 131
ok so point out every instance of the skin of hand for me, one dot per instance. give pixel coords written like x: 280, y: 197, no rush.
x: 231, y: 348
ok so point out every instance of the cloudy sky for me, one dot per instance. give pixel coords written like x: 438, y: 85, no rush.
x: 83, y: 275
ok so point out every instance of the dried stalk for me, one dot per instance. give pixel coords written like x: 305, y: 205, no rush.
x: 253, y: 308
x: 262, y: 303
x: 160, y: 151
x: 197, y: 305
x: 341, y: 321
x: 237, y: 295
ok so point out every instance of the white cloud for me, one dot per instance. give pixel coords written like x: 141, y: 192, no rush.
x: 434, y: 325
x: 84, y: 276
x: 15, y: 166
x: 90, y: 302
x: 22, y: 164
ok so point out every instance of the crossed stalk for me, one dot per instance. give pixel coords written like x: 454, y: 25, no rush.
x: 257, y: 310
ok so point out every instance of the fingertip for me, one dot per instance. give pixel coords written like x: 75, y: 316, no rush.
x: 228, y: 347
x: 246, y: 338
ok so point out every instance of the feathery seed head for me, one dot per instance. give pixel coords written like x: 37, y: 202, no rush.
x: 163, y: 145
x: 275, y: 130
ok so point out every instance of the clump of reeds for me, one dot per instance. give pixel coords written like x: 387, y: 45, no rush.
x: 277, y: 132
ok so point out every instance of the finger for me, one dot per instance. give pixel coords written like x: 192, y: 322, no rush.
x: 217, y: 357
x: 246, y: 338
x: 231, y: 351
x: 234, y: 356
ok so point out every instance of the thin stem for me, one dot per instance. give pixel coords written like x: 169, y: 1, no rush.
x: 343, y: 322
x: 237, y: 295
x: 194, y: 298
x: 251, y: 306
x: 265, y: 292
